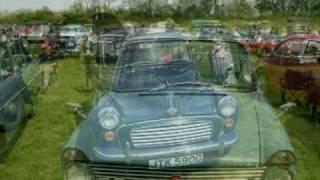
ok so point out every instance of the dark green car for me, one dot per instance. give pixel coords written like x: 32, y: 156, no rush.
x: 20, y: 81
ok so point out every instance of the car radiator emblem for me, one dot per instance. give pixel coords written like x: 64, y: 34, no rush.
x: 172, y: 111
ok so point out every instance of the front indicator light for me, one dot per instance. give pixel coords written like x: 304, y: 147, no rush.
x: 229, y: 123
x: 109, y: 136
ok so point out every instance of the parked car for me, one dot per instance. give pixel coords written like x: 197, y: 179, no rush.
x: 300, y: 54
x: 131, y: 28
x: 20, y: 81
x: 300, y: 26
x: 162, y: 26
x: 167, y: 117
x: 108, y: 47
x: 268, y: 42
x: 37, y: 31
x: 263, y: 37
x: 206, y: 29
x: 71, y: 37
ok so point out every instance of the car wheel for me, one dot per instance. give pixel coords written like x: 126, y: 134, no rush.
x: 13, y: 114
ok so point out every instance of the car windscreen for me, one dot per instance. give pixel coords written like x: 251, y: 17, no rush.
x: 71, y: 29
x: 147, y: 66
x: 222, y: 63
x: 6, y: 66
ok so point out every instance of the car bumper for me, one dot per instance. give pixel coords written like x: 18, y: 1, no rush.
x: 132, y: 155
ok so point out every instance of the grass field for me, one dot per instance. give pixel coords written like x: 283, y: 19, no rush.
x: 36, y: 154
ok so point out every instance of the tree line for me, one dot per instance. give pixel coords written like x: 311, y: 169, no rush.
x: 81, y: 12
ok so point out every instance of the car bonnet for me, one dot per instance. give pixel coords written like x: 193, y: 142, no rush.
x: 246, y: 152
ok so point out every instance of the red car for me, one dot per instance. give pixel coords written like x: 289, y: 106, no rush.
x: 296, y: 51
x: 268, y: 44
x: 299, y: 54
x: 303, y: 35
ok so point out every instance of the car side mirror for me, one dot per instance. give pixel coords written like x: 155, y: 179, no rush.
x: 77, y: 109
x: 288, y: 106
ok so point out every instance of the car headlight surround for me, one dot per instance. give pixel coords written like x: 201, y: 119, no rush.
x: 278, y: 173
x: 74, y: 165
x: 77, y: 171
x: 109, y: 118
x: 73, y: 155
x: 282, y: 158
x: 227, y: 106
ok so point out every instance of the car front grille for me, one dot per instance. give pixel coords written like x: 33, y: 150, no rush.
x: 168, y: 134
x: 118, y: 172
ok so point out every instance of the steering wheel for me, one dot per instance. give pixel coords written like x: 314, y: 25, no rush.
x: 175, y: 67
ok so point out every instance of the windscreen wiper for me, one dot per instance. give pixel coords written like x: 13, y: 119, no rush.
x: 197, y: 84
x: 139, y: 64
x: 239, y: 87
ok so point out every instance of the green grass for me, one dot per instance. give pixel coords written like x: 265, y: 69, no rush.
x: 36, y: 154
x: 304, y: 137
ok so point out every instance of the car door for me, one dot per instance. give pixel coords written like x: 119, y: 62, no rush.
x: 11, y: 92
x: 28, y: 69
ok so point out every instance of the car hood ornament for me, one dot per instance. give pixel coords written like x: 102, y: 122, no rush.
x: 172, y: 111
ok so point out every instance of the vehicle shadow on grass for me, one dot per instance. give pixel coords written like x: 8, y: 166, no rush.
x: 8, y: 140
x: 84, y: 105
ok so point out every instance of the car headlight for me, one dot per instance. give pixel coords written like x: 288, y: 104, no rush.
x: 276, y: 173
x: 283, y: 158
x: 77, y: 171
x: 109, y: 118
x: 227, y: 106
x: 74, y: 165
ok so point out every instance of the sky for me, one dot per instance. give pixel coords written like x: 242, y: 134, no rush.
x: 56, y: 5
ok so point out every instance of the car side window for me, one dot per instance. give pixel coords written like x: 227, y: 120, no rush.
x: 20, y: 58
x: 312, y: 49
x: 6, y: 66
x: 290, y: 48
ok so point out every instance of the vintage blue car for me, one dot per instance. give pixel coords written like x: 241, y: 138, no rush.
x: 20, y: 82
x: 169, y: 116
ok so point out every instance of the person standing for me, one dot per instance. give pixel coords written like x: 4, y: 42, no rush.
x: 220, y: 61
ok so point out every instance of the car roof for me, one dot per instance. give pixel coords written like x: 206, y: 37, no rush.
x: 159, y: 36
x: 205, y: 22
x: 304, y: 36
x: 73, y: 25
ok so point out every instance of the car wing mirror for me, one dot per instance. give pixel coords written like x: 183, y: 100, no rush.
x: 198, y: 58
x: 288, y: 106
x: 77, y: 109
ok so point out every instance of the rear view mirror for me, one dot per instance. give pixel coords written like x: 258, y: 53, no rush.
x: 288, y: 106
x: 78, y: 109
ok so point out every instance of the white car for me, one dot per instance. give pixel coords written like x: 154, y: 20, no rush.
x: 71, y: 37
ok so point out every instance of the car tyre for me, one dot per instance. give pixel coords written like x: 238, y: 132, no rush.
x: 13, y: 114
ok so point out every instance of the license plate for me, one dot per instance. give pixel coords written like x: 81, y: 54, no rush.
x: 70, y: 44
x: 177, y: 161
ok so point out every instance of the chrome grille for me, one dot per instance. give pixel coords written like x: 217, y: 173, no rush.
x: 171, y: 134
x: 118, y: 172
